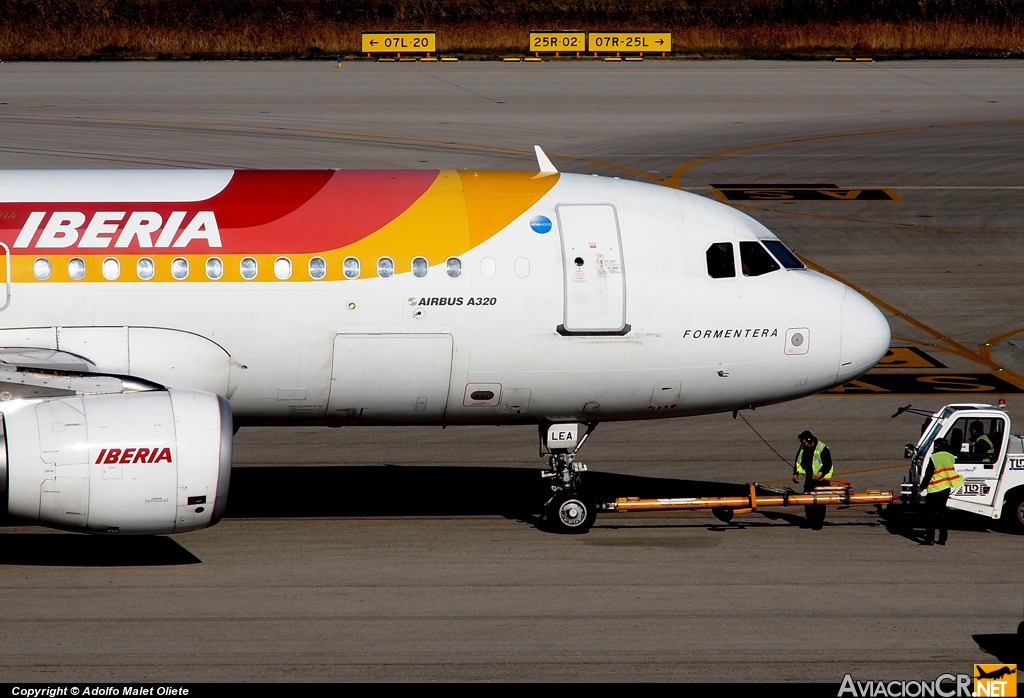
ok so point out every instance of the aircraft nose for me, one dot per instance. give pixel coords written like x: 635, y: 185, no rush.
x: 865, y: 336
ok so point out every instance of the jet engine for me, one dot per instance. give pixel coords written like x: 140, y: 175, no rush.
x: 129, y: 463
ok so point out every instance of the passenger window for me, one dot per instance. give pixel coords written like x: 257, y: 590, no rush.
x: 385, y: 267
x: 179, y: 268
x: 76, y: 268
x: 214, y: 268
x: 145, y: 268
x: 755, y: 259
x: 783, y: 254
x: 317, y: 268
x: 248, y: 268
x: 111, y: 269
x: 283, y: 268
x: 350, y: 267
x: 974, y: 440
x: 454, y: 267
x: 42, y: 269
x: 419, y: 267
x: 721, y: 262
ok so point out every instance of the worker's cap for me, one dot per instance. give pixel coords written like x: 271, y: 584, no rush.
x: 806, y: 436
x: 941, y: 443
x: 976, y: 426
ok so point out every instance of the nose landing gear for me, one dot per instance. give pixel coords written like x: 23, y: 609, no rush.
x: 569, y: 510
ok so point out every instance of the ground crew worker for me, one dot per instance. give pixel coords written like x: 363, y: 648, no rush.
x: 814, y: 463
x: 980, y: 443
x: 940, y: 477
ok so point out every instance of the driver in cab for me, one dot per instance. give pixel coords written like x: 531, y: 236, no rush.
x: 980, y: 443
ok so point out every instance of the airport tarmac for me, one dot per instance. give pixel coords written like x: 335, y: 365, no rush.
x: 398, y: 554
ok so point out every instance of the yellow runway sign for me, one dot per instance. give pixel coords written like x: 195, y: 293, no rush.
x: 629, y: 42
x: 558, y: 41
x: 400, y: 42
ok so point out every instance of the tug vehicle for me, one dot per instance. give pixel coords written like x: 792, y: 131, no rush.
x: 993, y: 477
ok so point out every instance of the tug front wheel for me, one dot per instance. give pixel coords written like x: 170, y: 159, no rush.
x: 1013, y: 512
x: 723, y: 514
x: 571, y: 513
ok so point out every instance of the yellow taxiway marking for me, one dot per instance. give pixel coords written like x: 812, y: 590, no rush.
x: 908, y: 357
x: 986, y: 348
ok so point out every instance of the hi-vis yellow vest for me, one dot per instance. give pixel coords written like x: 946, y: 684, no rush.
x: 945, y: 475
x: 815, y: 463
x: 991, y: 449
x: 984, y: 438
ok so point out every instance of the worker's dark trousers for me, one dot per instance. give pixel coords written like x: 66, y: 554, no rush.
x: 814, y: 514
x: 936, y: 502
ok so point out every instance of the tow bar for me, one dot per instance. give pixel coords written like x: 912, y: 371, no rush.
x: 840, y: 492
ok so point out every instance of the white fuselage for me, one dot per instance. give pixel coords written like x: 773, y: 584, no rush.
x: 488, y: 346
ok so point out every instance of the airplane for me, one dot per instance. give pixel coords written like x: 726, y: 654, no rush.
x: 994, y: 674
x: 147, y: 315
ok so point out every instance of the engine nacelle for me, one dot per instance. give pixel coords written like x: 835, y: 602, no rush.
x: 135, y: 463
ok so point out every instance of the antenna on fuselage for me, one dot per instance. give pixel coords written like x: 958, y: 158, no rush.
x: 544, y: 162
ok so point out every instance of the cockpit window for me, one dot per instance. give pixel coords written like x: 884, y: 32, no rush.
x: 783, y: 254
x: 755, y: 259
x: 721, y: 262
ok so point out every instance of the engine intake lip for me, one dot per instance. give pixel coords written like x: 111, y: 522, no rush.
x: 220, y: 503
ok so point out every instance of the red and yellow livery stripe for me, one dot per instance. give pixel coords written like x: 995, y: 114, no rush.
x: 331, y: 214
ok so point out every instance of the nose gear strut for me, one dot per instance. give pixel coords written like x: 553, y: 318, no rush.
x: 568, y: 510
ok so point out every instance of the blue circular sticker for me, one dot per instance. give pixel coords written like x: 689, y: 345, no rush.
x: 540, y: 224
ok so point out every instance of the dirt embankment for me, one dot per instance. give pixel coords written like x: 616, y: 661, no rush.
x: 89, y: 29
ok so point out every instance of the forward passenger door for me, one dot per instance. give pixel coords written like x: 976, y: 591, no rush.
x: 593, y: 270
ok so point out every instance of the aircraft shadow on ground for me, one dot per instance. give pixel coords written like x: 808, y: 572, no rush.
x: 390, y: 490
x: 518, y: 493
x: 83, y: 550
x: 1006, y: 647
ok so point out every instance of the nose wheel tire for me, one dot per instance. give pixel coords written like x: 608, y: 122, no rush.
x: 571, y: 513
